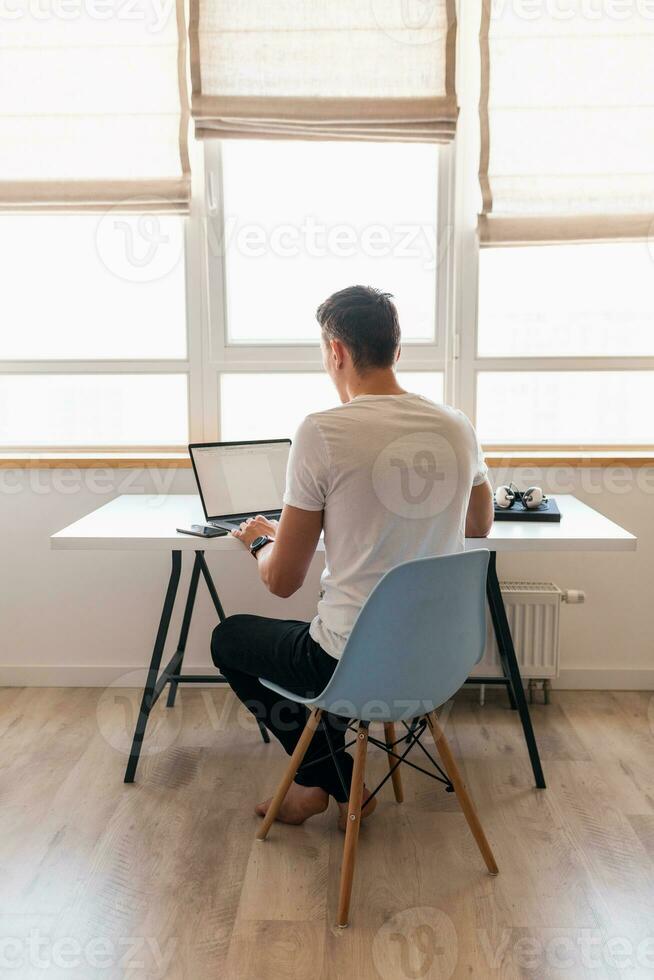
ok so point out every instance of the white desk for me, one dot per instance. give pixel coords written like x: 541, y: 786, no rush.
x: 145, y: 522
x: 139, y: 522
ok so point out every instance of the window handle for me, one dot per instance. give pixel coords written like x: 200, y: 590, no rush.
x: 212, y: 207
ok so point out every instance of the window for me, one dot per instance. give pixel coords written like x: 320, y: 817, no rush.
x: 143, y: 331
x: 578, y: 408
x: 567, y: 300
x: 574, y: 324
x: 100, y: 355
x: 94, y: 348
x: 303, y: 220
x: 93, y: 409
x: 288, y: 224
x: 289, y: 397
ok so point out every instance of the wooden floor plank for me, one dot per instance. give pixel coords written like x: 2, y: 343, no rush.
x: 164, y: 879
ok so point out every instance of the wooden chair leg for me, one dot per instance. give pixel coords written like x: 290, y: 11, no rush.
x: 393, y: 764
x: 469, y: 811
x: 353, y: 824
x: 292, y: 768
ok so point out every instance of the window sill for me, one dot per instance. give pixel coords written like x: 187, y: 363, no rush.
x: 116, y: 460
x: 496, y: 459
x: 547, y: 458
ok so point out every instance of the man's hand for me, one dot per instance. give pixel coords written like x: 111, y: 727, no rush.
x: 282, y: 569
x: 253, y: 528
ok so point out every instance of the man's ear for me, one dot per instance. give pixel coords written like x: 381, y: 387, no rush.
x: 338, y: 352
x: 399, y: 351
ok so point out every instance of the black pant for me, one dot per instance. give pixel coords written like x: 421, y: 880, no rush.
x: 245, y: 648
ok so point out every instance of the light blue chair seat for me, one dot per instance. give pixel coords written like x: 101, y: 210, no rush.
x: 415, y: 641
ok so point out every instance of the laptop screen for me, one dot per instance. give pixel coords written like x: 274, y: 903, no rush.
x: 241, y: 479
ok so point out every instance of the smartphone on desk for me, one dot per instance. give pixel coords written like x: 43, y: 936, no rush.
x: 203, y: 531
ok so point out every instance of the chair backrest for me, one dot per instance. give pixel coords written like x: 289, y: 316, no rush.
x: 418, y: 636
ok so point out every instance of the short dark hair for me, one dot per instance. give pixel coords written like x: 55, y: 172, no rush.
x: 366, y: 321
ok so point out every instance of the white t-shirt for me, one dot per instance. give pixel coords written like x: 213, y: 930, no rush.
x: 393, y: 474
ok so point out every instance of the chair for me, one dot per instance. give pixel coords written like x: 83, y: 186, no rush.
x: 414, y: 643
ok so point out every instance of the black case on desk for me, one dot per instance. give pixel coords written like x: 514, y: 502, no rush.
x: 547, y: 512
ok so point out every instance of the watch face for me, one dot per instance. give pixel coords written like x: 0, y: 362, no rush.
x: 258, y: 542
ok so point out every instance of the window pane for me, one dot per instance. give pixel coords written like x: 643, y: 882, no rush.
x: 566, y: 407
x: 303, y: 220
x: 289, y: 397
x: 574, y: 300
x: 93, y: 410
x: 92, y: 287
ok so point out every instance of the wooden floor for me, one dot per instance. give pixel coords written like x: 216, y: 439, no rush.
x: 163, y: 879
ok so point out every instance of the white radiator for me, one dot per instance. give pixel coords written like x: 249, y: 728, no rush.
x: 532, y: 609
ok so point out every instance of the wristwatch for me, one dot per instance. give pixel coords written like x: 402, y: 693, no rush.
x: 259, y: 543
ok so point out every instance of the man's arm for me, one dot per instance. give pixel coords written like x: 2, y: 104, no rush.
x: 284, y: 563
x: 479, y: 519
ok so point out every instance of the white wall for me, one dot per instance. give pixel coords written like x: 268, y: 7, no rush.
x: 89, y: 618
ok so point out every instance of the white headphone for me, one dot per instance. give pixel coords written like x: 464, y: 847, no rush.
x: 531, y: 499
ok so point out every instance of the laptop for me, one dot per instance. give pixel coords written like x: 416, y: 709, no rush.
x: 237, y: 480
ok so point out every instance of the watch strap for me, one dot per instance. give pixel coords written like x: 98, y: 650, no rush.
x: 259, y: 543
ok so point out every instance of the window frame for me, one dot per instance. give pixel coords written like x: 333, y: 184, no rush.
x: 282, y: 358
x: 467, y: 363
x: 480, y: 364
x: 118, y: 366
x: 454, y: 351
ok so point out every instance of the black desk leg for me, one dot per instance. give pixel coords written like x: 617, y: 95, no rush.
x: 213, y: 592
x: 155, y: 663
x: 510, y: 666
x: 186, y: 622
x: 507, y: 677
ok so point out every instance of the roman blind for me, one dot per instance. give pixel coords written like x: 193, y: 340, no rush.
x: 567, y: 122
x: 323, y: 69
x: 93, y: 107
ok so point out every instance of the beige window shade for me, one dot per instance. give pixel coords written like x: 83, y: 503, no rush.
x: 324, y: 69
x: 567, y: 122
x: 93, y: 107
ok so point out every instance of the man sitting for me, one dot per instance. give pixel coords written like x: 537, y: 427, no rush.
x: 388, y: 476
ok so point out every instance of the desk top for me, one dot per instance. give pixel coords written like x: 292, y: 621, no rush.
x: 148, y: 522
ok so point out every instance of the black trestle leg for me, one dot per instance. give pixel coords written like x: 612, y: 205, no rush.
x: 186, y: 623
x: 155, y: 663
x: 213, y: 592
x: 510, y: 666
x: 172, y: 672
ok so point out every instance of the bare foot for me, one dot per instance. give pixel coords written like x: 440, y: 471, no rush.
x: 365, y: 811
x: 301, y: 802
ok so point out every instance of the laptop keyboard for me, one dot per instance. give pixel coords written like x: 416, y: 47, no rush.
x: 237, y: 521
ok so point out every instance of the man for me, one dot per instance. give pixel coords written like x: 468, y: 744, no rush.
x: 389, y: 476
